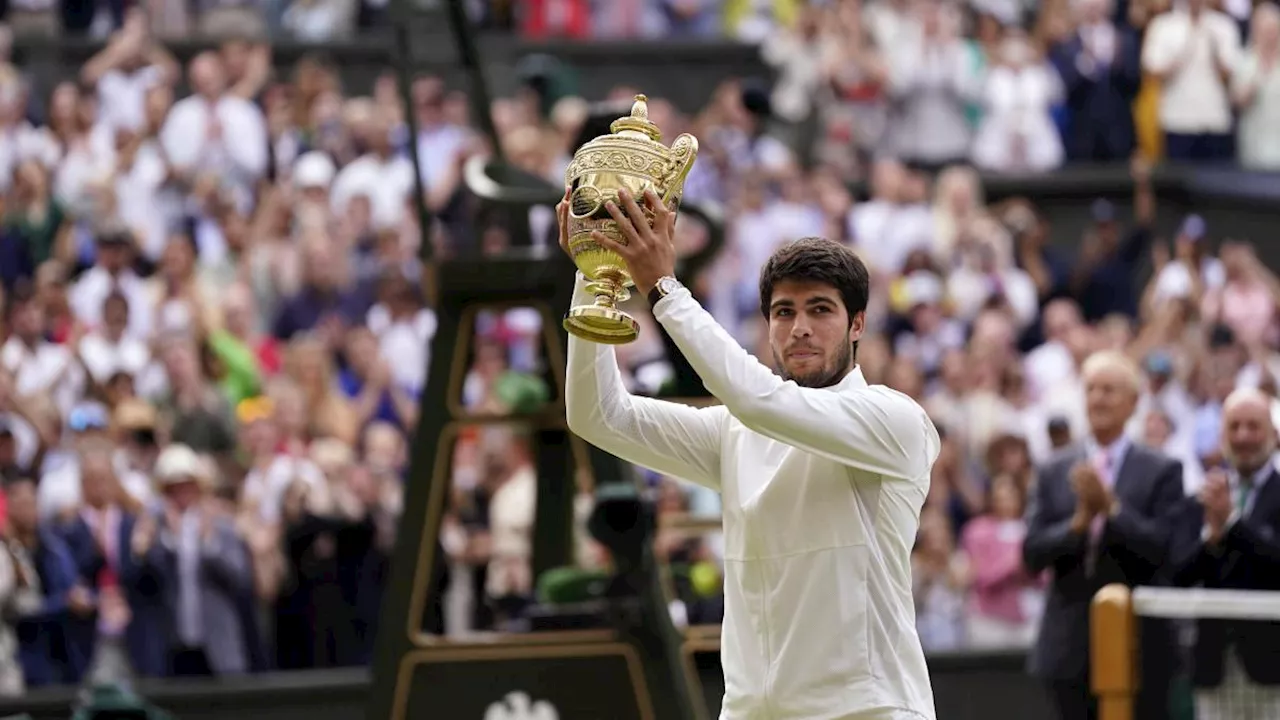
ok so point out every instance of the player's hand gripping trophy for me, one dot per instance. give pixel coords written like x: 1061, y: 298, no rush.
x: 631, y: 157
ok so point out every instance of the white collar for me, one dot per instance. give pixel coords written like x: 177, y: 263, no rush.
x: 853, y: 381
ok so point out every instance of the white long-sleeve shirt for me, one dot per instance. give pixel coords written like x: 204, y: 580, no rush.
x: 1194, y: 98
x: 821, y: 489
x: 1017, y: 132
x: 238, y: 155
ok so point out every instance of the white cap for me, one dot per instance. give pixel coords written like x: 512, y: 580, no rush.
x: 313, y: 170
x: 179, y: 463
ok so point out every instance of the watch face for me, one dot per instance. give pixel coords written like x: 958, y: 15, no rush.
x: 667, y: 285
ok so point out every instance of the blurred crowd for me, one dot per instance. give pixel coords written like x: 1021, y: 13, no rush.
x: 214, y: 338
x: 300, y: 20
x: 1002, y: 84
x: 216, y: 328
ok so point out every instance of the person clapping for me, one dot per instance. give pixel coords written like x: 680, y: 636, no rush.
x: 189, y: 550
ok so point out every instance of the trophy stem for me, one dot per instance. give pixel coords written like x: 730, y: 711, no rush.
x: 609, y: 289
x: 603, y: 322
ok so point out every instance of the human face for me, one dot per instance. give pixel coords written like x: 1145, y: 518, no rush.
x: 1156, y: 430
x: 22, y: 507
x: 115, y: 316
x: 1110, y: 399
x: 810, y: 333
x: 183, y: 493
x: 1247, y: 434
x: 97, y: 479
x: 28, y: 321
x: 1006, y: 499
x: 1060, y: 318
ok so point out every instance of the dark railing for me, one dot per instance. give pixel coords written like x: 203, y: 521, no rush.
x: 967, y: 686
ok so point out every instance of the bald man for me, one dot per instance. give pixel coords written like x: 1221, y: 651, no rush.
x: 1229, y: 537
x: 1101, y: 513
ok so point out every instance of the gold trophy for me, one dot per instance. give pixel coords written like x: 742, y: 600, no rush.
x: 632, y: 156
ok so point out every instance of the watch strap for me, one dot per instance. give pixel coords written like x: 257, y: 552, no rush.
x: 655, y: 295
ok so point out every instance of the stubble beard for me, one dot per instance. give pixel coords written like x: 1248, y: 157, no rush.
x: 1248, y: 465
x: 825, y: 376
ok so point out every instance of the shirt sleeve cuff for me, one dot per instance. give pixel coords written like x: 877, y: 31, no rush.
x: 670, y: 300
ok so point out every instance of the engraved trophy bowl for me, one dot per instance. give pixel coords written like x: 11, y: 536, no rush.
x: 631, y: 156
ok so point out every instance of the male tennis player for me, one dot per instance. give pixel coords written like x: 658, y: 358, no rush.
x: 822, y: 478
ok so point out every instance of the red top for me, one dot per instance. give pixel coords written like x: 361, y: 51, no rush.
x: 555, y: 18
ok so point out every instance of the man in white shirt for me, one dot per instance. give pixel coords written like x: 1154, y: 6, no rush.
x: 112, y: 273
x: 215, y: 135
x: 38, y: 368
x: 380, y: 175
x: 887, y: 227
x: 822, y: 477
x: 1193, y: 50
x: 1050, y: 362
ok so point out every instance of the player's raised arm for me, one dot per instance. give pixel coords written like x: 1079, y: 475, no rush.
x: 815, y: 303
x: 870, y: 428
x: 668, y: 437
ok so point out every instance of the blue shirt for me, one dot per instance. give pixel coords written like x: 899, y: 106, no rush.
x: 309, y: 307
x: 352, y: 386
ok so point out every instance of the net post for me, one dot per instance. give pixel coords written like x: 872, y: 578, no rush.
x: 1113, y: 652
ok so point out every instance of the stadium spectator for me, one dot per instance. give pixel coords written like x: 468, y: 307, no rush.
x: 1006, y: 600
x: 1225, y: 538
x: 200, y: 564
x: 1255, y: 91
x: 1017, y: 132
x: 42, y: 590
x: 1100, y: 515
x: 932, y: 82
x: 940, y: 583
x: 1193, y: 49
x: 1105, y: 274
x: 1100, y: 68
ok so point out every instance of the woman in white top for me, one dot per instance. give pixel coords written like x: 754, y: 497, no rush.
x: 957, y: 202
x: 1255, y: 91
x: 1017, y: 133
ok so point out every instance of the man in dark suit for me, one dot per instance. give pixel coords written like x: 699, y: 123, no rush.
x: 46, y: 592
x: 113, y: 640
x: 1101, y: 71
x: 1229, y: 537
x: 1101, y: 514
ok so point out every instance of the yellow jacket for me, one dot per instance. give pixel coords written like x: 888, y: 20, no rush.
x: 785, y: 12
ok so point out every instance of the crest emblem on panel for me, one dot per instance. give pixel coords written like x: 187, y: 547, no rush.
x: 519, y: 706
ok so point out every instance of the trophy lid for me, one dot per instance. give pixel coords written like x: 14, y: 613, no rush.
x: 638, y: 121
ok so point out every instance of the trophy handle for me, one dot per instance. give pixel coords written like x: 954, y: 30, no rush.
x: 683, y: 152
